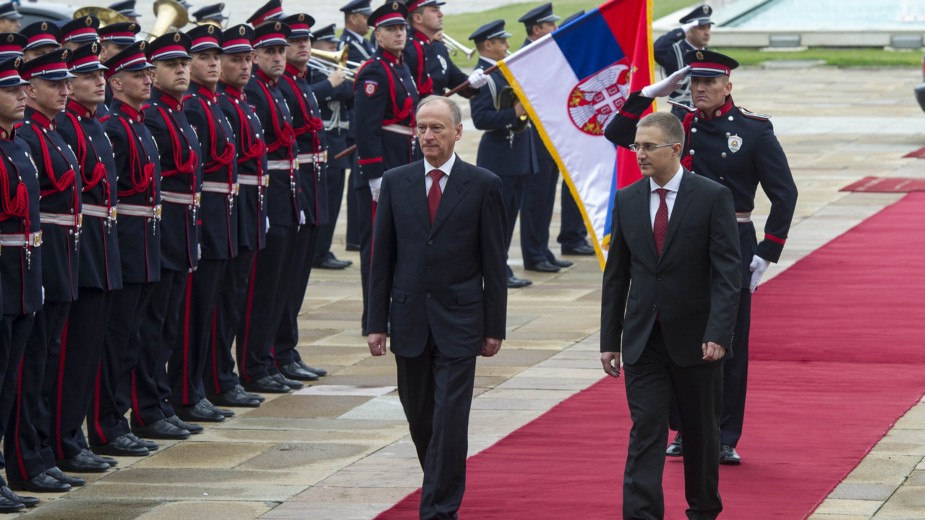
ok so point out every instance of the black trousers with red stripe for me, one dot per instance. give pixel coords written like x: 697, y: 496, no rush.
x: 121, y: 350
x: 190, y: 353
x: 219, y: 376
x: 157, y: 336
x: 287, y: 335
x: 14, y: 335
x: 264, y: 306
x: 73, y: 379
x: 28, y: 427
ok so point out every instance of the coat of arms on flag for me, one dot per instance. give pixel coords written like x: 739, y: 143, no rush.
x: 594, y: 101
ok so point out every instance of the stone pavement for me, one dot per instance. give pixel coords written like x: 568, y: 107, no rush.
x: 339, y: 450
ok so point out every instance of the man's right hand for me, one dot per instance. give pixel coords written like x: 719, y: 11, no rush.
x: 376, y: 343
x: 336, y: 77
x: 611, y: 363
x: 666, y: 86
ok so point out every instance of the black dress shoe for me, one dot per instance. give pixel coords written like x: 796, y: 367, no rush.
x: 318, y: 371
x: 675, y: 449
x: 579, y: 250
x: 83, y: 462
x: 296, y: 372
x: 149, y: 445
x: 267, y: 385
x: 250, y: 394
x: 544, y: 267
x: 352, y: 247
x: 225, y: 413
x: 514, y: 282
x: 561, y: 263
x: 291, y: 383
x: 194, y: 429
x: 332, y: 263
x: 729, y: 456
x: 7, y: 495
x: 102, y: 458
x: 56, y: 473
x: 10, y: 506
x: 41, y: 483
x: 122, y: 445
x: 161, y: 430
x: 199, y: 412
x: 235, y: 397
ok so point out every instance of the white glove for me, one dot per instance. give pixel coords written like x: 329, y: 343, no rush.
x: 477, y: 79
x: 268, y: 225
x: 689, y: 25
x: 301, y: 218
x: 374, y: 185
x: 757, y: 267
x: 666, y: 86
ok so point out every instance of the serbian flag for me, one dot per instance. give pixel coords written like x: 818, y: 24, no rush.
x: 572, y: 83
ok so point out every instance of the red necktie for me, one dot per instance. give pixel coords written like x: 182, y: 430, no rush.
x: 434, y: 194
x: 661, y: 220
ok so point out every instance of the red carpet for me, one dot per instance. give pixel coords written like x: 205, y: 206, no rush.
x: 836, y: 359
x: 886, y: 185
x: 918, y: 154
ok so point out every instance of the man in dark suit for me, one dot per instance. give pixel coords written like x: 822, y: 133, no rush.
x: 439, y: 269
x: 670, y: 293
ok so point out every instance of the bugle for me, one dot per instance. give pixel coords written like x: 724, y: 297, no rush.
x: 456, y: 47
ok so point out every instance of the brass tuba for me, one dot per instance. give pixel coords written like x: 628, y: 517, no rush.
x: 169, y: 14
x: 106, y: 15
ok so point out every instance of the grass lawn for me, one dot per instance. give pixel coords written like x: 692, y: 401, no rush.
x: 860, y: 57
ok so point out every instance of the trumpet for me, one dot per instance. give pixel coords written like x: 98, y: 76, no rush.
x: 329, y: 61
x: 456, y: 47
x: 106, y: 15
x: 169, y: 14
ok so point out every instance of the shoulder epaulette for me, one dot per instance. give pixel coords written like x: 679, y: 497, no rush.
x: 753, y: 115
x: 682, y: 106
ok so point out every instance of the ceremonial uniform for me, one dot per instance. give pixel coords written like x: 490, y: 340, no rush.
x: 739, y: 150
x: 251, y: 161
x: 100, y: 265
x: 47, y: 347
x: 669, y: 50
x: 384, y: 104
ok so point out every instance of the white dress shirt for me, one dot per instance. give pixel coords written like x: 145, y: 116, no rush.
x: 446, y: 168
x: 654, y: 199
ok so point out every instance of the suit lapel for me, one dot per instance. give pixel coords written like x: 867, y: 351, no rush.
x: 417, y: 198
x: 681, y: 203
x: 453, y: 194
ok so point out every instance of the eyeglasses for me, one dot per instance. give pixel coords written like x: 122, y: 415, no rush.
x: 648, y: 147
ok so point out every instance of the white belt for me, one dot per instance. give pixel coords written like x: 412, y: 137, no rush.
x: 307, y: 158
x: 399, y: 129
x: 62, y: 219
x: 188, y: 199
x: 220, y: 187
x: 137, y: 210
x: 95, y: 210
x: 253, y: 180
x: 744, y: 217
x: 21, y: 240
x: 282, y: 165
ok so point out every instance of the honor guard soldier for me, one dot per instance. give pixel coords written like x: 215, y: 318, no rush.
x: 10, y: 19
x: 334, y: 92
x: 11, y: 45
x: 738, y: 149
x: 181, y: 188
x: 79, y: 31
x: 48, y: 349
x: 506, y: 148
x: 272, y: 10
x: 670, y: 48
x: 384, y: 105
x: 427, y: 56
x: 222, y: 384
x: 312, y: 170
x: 114, y: 38
x: 540, y: 191
x: 219, y: 230
x: 257, y: 331
x: 211, y: 14
x: 21, y: 260
x: 43, y: 37
x: 126, y: 9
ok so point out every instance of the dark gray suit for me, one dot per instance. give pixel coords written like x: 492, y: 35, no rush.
x: 445, y: 287
x: 657, y: 311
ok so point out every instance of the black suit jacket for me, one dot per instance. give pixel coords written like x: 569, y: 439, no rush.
x: 693, y: 287
x: 449, y: 278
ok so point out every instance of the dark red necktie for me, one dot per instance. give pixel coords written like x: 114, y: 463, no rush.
x: 434, y: 194
x: 661, y: 220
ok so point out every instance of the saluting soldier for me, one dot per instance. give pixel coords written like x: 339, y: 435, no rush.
x: 738, y: 149
x: 670, y: 48
x: 181, y: 187
x: 222, y: 384
x: 384, y: 105
x: 60, y: 183
x: 43, y: 37
x: 312, y: 169
x: 269, y: 275
x: 219, y: 216
x: 506, y: 148
x: 21, y: 260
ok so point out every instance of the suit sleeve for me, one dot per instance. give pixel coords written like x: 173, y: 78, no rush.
x: 369, y: 113
x: 621, y: 131
x: 777, y: 183
x: 494, y: 260
x: 484, y: 115
x: 616, y: 284
x: 382, y: 265
x: 726, y: 262
x: 664, y: 51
